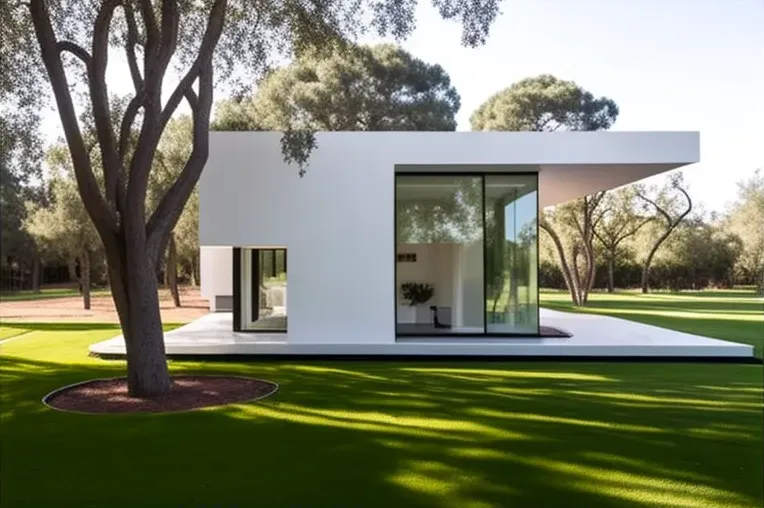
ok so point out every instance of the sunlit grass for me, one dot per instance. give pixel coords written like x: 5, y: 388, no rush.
x: 381, y: 434
x: 735, y: 315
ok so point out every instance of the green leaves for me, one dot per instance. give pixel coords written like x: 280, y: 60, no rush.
x: 544, y: 103
x: 352, y: 88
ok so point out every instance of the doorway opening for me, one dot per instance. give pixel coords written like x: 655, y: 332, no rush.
x: 260, y: 289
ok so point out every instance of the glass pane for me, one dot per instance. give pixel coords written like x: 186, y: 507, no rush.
x: 264, y: 289
x: 511, y: 292
x: 439, y: 254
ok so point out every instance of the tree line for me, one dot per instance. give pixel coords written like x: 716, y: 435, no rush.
x: 636, y: 236
x: 129, y: 186
x: 651, y: 237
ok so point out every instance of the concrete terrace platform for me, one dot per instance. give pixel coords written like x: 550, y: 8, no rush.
x: 593, y: 337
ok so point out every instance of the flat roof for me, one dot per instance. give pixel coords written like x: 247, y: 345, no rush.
x: 570, y: 164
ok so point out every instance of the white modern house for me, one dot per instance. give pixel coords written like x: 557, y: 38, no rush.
x: 329, y: 262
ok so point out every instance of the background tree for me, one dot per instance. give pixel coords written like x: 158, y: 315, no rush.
x: 545, y: 103
x: 619, y: 219
x: 672, y: 204
x: 200, y: 39
x: 746, y: 219
x: 571, y: 228
x: 20, y: 144
x: 172, y: 153
x: 64, y: 227
x: 377, y: 88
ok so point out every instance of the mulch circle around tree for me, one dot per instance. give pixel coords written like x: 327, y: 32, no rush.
x: 103, y: 396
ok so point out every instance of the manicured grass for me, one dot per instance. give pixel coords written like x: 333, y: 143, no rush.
x: 8, y: 332
x: 46, y: 294
x: 350, y: 434
x: 736, y: 315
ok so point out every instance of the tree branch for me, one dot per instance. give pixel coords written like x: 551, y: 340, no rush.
x: 572, y: 288
x: 99, y: 98
x: 657, y: 208
x: 126, y: 126
x: 163, y: 220
x: 102, y: 216
x: 168, y: 39
x: 159, y: 50
x: 152, y: 36
x: 77, y: 51
x: 632, y: 231
x: 209, y: 42
x: 132, y: 41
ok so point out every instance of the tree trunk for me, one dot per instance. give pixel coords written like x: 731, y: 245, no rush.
x: 649, y: 261
x: 610, y: 275
x: 136, y: 297
x: 171, y: 270
x: 564, y: 267
x: 36, y: 275
x: 72, y: 267
x: 85, y: 278
x: 195, y: 270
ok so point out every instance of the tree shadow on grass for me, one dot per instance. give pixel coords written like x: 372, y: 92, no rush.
x: 399, y: 434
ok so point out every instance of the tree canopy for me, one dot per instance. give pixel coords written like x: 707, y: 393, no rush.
x: 544, y: 103
x: 746, y: 220
x: 377, y: 88
x: 207, y: 42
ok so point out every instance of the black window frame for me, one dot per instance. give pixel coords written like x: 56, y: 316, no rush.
x: 255, y: 253
x: 485, y: 334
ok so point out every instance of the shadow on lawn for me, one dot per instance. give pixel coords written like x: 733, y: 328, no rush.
x: 386, y: 434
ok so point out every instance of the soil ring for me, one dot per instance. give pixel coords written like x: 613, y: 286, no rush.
x: 189, y: 392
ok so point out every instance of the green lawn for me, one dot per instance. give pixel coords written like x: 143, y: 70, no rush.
x: 730, y: 315
x: 383, y: 434
x: 45, y: 294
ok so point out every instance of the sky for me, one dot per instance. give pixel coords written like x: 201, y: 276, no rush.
x: 669, y: 65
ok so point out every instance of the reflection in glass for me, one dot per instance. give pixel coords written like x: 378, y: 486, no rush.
x: 439, y: 232
x: 511, y: 205
x: 264, y: 289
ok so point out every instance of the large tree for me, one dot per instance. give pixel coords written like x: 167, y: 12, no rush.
x: 201, y: 39
x: 545, y: 103
x: 671, y: 204
x: 620, y: 218
x: 377, y: 88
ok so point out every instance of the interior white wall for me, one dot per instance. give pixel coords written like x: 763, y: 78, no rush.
x: 472, y: 285
x: 337, y: 222
x: 434, y: 265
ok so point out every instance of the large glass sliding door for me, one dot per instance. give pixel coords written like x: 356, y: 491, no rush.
x: 466, y: 254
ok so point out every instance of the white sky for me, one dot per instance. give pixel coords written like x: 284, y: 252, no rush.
x: 668, y: 64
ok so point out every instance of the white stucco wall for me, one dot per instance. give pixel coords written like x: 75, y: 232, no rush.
x: 216, y: 271
x: 337, y: 222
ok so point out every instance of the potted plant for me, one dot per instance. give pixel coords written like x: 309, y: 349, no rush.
x: 417, y: 293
